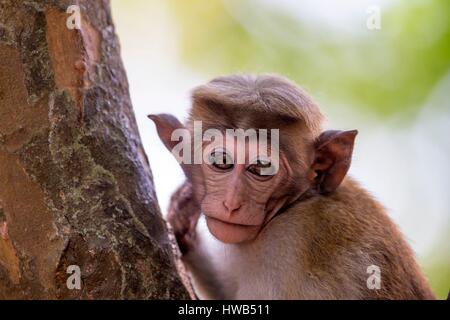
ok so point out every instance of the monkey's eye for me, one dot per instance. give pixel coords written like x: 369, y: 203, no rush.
x: 261, y: 167
x: 220, y: 159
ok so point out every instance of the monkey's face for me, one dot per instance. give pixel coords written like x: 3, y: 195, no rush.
x: 241, y: 190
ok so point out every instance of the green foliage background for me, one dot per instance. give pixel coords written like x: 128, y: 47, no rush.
x: 385, y: 73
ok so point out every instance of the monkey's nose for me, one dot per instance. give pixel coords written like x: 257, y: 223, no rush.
x: 231, y: 207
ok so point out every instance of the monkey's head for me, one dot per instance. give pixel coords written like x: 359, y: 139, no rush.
x: 251, y: 147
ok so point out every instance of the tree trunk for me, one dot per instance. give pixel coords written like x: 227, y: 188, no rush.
x: 75, y: 184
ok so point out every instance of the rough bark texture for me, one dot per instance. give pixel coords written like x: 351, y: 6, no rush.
x: 75, y: 185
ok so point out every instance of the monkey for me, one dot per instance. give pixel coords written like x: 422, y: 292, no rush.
x: 306, y: 231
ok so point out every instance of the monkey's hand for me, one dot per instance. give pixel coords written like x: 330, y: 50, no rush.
x: 183, y: 216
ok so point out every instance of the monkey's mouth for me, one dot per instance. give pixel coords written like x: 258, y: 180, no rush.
x: 229, y: 232
x: 231, y: 223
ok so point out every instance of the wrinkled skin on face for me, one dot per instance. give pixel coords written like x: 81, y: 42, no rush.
x: 238, y: 199
x: 233, y: 189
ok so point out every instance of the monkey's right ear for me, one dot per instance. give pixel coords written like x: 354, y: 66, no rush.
x: 165, y: 125
x: 333, y: 155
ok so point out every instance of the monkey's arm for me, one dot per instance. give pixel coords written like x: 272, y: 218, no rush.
x: 183, y: 216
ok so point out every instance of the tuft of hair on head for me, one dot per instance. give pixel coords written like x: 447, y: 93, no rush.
x: 236, y: 99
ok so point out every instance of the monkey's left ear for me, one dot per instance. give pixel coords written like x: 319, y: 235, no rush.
x: 333, y: 155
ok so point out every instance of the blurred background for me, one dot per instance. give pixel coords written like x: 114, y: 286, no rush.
x: 387, y: 75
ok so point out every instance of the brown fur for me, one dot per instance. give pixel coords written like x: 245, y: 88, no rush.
x: 324, y: 235
x: 347, y: 231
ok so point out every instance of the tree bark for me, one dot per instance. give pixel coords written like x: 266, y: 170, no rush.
x: 75, y: 184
